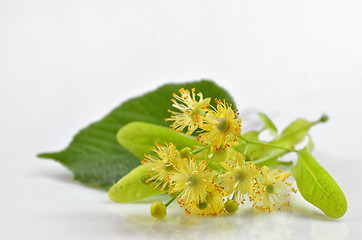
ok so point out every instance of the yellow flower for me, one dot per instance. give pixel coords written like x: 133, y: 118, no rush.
x: 220, y: 125
x: 272, y: 190
x: 191, y: 181
x: 190, y: 110
x: 213, y: 204
x: 162, y: 165
x: 239, y: 178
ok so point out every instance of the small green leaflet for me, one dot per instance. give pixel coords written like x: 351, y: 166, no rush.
x: 94, y: 155
x: 318, y: 187
x: 264, y: 155
x: 294, y: 133
x: 268, y: 124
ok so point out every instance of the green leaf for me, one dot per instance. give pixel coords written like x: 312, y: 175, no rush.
x: 268, y: 124
x: 140, y: 137
x: 131, y: 188
x: 318, y: 187
x: 94, y: 155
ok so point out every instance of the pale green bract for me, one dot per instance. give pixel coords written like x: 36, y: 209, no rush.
x: 131, y: 188
x: 139, y: 138
x: 318, y: 187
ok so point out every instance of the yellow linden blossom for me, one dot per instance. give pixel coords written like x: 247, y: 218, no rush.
x: 190, y: 110
x: 239, y: 178
x: 213, y: 204
x: 162, y: 165
x: 220, y: 126
x: 272, y: 190
x: 191, y: 181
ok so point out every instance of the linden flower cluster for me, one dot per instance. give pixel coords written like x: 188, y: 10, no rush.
x: 215, y: 178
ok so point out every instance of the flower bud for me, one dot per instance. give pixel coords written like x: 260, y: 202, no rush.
x: 231, y: 206
x: 186, y: 152
x: 202, y: 205
x: 158, y: 210
x: 324, y: 118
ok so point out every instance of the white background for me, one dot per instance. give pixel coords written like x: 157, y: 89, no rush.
x: 64, y: 64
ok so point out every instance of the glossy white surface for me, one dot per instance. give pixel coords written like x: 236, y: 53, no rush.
x: 64, y: 64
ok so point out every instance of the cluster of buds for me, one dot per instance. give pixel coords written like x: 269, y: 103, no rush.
x: 215, y: 178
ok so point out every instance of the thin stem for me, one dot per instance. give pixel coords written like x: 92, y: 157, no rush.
x: 272, y: 145
x: 261, y: 160
x: 170, y: 201
x: 208, y: 152
x: 207, y: 155
x: 240, y: 145
x: 246, y: 149
x: 212, y: 158
x: 245, y: 139
x: 266, y: 144
x: 234, y: 195
x: 199, y: 150
x: 266, y: 158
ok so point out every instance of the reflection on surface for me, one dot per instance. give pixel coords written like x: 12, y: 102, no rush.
x: 297, y: 222
x: 272, y: 226
x: 328, y: 230
x: 177, y: 224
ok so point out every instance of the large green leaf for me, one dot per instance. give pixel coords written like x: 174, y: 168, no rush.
x: 318, y: 187
x: 94, y: 155
x: 140, y: 137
